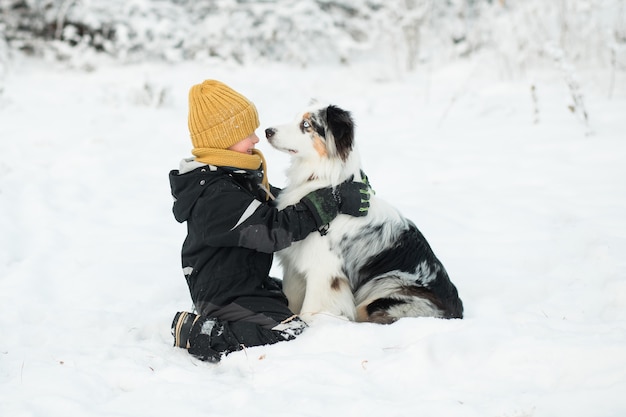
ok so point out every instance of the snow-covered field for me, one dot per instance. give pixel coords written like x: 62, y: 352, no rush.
x: 529, y: 219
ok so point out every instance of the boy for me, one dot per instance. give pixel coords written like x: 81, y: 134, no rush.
x: 233, y: 229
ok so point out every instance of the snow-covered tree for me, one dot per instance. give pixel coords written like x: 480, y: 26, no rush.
x: 406, y: 33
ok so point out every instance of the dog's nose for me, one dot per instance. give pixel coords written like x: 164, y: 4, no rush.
x: 269, y: 132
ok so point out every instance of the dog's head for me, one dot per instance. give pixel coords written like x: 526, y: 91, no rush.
x: 320, y: 132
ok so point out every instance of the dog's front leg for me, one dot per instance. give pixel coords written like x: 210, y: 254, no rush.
x: 294, y: 287
x: 329, y: 294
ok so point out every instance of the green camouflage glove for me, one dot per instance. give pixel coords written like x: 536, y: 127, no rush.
x: 351, y: 198
x: 354, y: 198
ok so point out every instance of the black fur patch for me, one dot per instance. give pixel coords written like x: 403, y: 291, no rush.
x: 341, y: 126
x: 410, y: 250
x: 377, y: 311
x: 382, y: 304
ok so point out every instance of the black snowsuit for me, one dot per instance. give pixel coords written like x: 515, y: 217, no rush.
x: 232, y: 233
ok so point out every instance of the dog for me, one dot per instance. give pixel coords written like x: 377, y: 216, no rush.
x: 377, y: 268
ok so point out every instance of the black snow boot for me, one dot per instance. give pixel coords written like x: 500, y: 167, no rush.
x: 181, y: 328
x: 194, y: 333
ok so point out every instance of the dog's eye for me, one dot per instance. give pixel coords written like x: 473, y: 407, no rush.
x: 306, y: 124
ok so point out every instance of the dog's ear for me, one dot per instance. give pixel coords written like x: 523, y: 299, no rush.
x: 341, y: 126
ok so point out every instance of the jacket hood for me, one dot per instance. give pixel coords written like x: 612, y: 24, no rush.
x: 187, y: 185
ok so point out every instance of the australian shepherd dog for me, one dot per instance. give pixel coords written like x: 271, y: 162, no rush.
x: 377, y: 268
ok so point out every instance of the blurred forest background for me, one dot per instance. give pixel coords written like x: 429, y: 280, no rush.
x: 405, y: 34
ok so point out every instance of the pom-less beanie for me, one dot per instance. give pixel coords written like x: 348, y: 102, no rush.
x: 220, y: 117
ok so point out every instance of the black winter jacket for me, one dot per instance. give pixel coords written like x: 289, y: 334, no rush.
x: 232, y: 234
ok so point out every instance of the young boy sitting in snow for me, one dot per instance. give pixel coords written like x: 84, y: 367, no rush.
x: 233, y: 229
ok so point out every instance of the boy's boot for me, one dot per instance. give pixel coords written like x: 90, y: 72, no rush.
x: 181, y: 328
x: 193, y: 332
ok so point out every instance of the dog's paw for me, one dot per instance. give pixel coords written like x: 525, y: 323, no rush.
x: 322, y: 316
x: 307, y: 317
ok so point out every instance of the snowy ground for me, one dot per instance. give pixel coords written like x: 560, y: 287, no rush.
x: 529, y: 219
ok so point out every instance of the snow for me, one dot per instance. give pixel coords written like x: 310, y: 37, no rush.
x: 528, y: 218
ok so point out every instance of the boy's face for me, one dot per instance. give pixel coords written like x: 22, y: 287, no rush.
x: 246, y: 145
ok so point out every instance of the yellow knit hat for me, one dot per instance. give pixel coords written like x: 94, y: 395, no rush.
x: 219, y: 116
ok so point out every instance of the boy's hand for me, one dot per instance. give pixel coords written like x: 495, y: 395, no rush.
x: 350, y: 197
